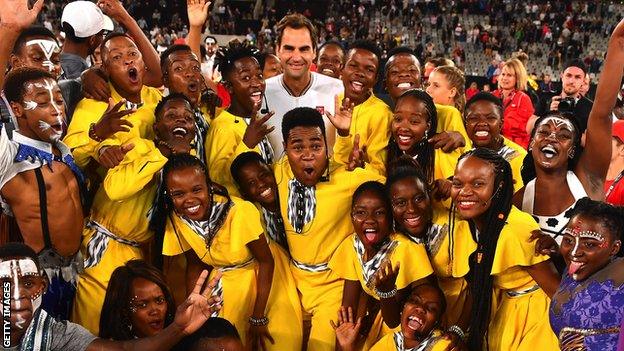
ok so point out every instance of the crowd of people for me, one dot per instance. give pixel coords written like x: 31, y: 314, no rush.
x: 330, y: 193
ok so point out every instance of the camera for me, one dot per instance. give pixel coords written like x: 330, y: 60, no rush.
x: 567, y: 104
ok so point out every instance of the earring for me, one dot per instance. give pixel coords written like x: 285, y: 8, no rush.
x: 571, y: 153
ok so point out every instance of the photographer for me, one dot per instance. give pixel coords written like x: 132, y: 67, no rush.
x: 570, y: 98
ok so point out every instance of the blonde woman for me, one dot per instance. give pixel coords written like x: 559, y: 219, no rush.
x: 447, y: 87
x: 518, y: 108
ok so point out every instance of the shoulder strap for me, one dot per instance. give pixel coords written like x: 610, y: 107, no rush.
x: 528, y: 198
x: 575, y: 185
x: 43, y: 207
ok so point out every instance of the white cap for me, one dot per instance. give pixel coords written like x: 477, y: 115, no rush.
x: 86, y: 18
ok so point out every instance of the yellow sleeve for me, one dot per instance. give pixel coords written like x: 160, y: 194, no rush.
x: 513, y: 247
x: 385, y: 344
x: 450, y: 119
x: 223, y: 145
x: 246, y: 225
x: 378, y: 137
x: 516, y: 167
x: 342, y: 149
x: 414, y: 262
x: 77, y: 138
x: 135, y: 171
x: 344, y: 259
x: 174, y: 242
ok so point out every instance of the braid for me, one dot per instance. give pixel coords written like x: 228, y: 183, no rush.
x: 479, y: 277
x: 527, y: 171
x: 425, y: 153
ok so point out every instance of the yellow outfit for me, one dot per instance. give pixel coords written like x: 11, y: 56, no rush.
x: 90, y: 111
x: 450, y: 119
x: 229, y: 253
x: 519, y: 319
x: 119, y: 209
x: 514, y: 154
x: 371, y: 120
x: 414, y: 265
x: 223, y: 143
x: 387, y: 343
x: 319, y: 288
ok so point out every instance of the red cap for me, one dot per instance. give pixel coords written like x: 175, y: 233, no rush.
x: 618, y: 130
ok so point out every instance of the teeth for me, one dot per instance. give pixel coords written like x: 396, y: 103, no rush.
x: 414, y: 322
x: 193, y: 209
x: 357, y: 86
x: 412, y: 221
x: 257, y: 93
x: 178, y: 129
x: 404, y: 139
x: 482, y: 133
x: 327, y: 71
x: 370, y: 231
x: 467, y: 203
x: 404, y: 85
x: 266, y: 193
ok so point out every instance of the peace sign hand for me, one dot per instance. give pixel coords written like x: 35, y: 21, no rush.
x: 199, y: 305
x: 257, y: 129
x: 112, y: 120
x: 342, y: 117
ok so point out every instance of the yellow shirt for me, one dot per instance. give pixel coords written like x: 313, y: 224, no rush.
x: 90, y: 111
x: 387, y: 343
x: 412, y: 257
x: 223, y: 144
x: 514, y: 154
x: 450, y: 119
x: 371, y: 120
x: 332, y: 221
x: 228, y: 246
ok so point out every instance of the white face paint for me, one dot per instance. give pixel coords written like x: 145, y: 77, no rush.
x: 30, y: 105
x: 15, y: 270
x: 558, y: 122
x: 49, y: 47
x: 49, y: 86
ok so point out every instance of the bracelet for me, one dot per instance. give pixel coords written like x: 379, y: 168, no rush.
x: 457, y: 330
x: 92, y: 134
x: 386, y: 295
x: 258, y: 322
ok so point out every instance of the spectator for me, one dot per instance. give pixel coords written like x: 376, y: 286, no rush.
x: 446, y: 86
x: 614, y: 187
x: 330, y: 60
x: 271, y: 65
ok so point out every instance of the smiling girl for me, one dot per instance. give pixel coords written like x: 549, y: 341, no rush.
x: 225, y: 234
x: 238, y: 129
x: 509, y: 285
x: 371, y: 248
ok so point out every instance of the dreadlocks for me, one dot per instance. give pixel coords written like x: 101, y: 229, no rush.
x: 423, y: 152
x: 115, y: 321
x: 479, y: 277
x: 228, y: 55
x: 164, y: 205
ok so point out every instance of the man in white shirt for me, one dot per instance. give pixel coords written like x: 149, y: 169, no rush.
x: 297, y: 86
x: 207, y: 65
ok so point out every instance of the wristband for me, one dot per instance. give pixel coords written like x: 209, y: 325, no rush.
x: 258, y: 322
x: 386, y: 295
x: 457, y: 330
x: 92, y: 134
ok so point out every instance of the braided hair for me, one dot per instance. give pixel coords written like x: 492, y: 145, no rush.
x: 480, y: 281
x: 424, y: 151
x: 234, y: 51
x: 527, y: 171
x: 163, y: 207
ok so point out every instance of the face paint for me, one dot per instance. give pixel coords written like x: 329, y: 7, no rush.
x: 30, y: 105
x: 558, y: 122
x: 48, y: 47
x: 14, y: 270
x: 56, y: 135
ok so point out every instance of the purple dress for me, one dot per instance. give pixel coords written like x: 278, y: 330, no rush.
x: 586, y: 315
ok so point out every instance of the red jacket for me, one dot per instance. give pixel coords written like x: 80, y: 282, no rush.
x: 518, y: 109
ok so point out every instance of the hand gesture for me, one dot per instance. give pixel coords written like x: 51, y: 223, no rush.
x: 342, y: 117
x: 256, y: 337
x: 112, y: 121
x: 17, y: 14
x: 447, y: 141
x: 346, y: 328
x: 114, y: 9
x: 257, y: 129
x: 456, y: 343
x: 198, y: 306
x: 384, y: 279
x: 358, y: 157
x: 197, y: 11
x: 95, y: 84
x: 441, y: 189
x: 111, y: 156
x: 545, y: 245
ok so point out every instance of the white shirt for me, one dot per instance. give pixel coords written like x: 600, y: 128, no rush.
x: 320, y: 95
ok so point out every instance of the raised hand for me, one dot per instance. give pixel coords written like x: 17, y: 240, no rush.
x: 545, y: 244
x: 342, y: 117
x: 197, y: 11
x: 257, y: 129
x: 447, y: 141
x: 256, y: 337
x: 114, y: 9
x: 346, y: 328
x: 111, y: 157
x: 112, y: 120
x: 441, y: 189
x: 358, y: 157
x: 199, y: 305
x: 384, y: 279
x: 17, y: 14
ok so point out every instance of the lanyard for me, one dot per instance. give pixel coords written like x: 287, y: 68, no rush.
x: 615, y: 181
